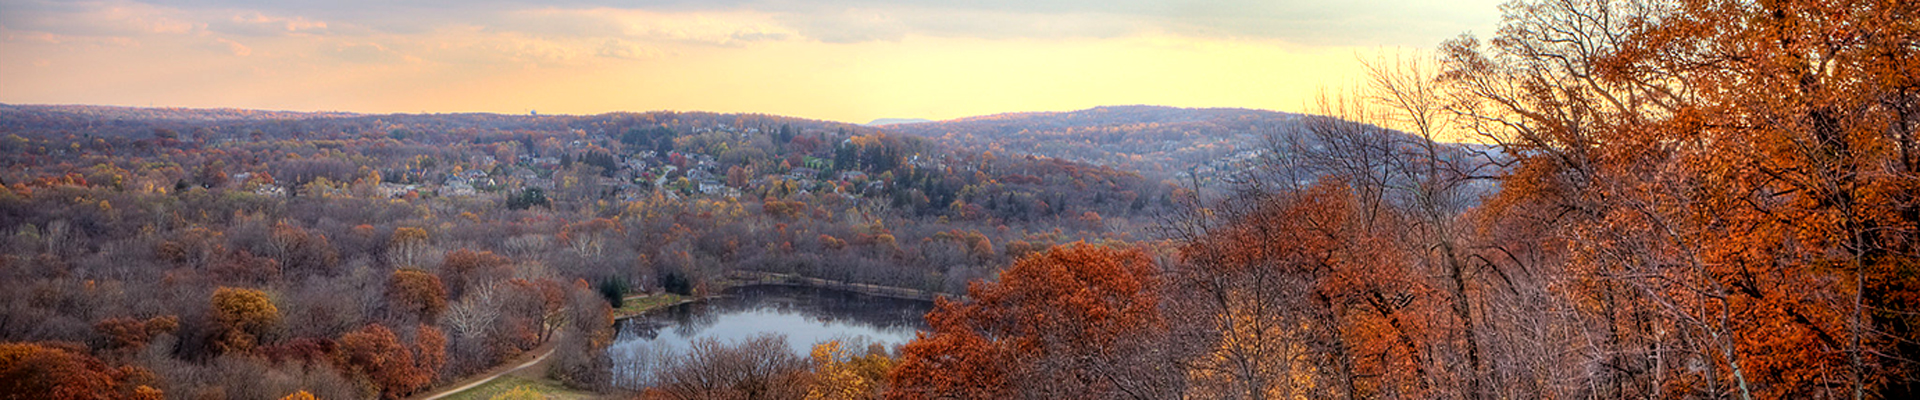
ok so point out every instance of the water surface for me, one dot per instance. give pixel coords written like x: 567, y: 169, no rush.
x: 805, y: 315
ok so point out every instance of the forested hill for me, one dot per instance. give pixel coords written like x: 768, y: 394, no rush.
x: 76, y: 112
x: 348, y: 224
x: 217, y: 124
x: 1158, y: 142
x: 844, y: 192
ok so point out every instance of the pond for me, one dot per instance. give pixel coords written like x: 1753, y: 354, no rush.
x: 805, y: 315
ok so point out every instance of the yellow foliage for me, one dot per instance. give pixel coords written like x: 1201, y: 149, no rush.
x: 522, y: 392
x: 841, y: 375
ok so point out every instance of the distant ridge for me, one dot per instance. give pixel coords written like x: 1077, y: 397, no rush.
x: 1156, y: 141
x: 174, y: 113
x: 896, y: 121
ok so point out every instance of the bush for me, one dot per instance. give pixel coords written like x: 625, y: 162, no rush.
x: 676, y: 283
x: 615, y: 290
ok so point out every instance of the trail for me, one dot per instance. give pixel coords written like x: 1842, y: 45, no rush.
x: 544, y: 350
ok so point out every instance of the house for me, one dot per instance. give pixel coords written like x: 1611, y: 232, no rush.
x: 392, y: 190
x: 458, y: 185
x: 270, y: 190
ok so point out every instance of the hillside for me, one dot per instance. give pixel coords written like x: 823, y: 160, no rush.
x: 1158, y: 142
x: 853, y: 183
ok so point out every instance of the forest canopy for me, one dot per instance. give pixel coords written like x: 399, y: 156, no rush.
x: 1670, y: 199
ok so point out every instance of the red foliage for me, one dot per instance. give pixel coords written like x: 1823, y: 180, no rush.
x: 416, y: 293
x: 56, y: 371
x: 375, y: 353
x: 1052, y: 317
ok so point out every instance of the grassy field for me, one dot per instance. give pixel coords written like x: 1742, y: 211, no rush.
x: 637, y: 305
x: 543, y: 388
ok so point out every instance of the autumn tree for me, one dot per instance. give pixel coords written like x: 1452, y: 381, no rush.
x: 242, y: 316
x: 416, y: 294
x: 1731, y: 181
x: 580, y: 358
x: 1078, y: 320
x: 129, y: 333
x: 842, y: 373
x: 376, y: 354
x: 737, y: 177
x: 758, y: 367
x: 59, y: 372
x: 408, y: 247
x: 1289, y: 294
x: 429, y: 350
x: 300, y: 250
x: 463, y: 268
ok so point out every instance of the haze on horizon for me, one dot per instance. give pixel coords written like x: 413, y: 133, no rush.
x: 843, y: 60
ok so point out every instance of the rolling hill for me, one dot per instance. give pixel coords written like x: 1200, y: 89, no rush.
x: 1158, y: 142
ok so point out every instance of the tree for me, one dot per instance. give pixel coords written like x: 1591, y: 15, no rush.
x: 464, y: 268
x: 614, y: 290
x: 841, y: 374
x: 1290, y: 296
x: 301, y: 251
x: 580, y: 357
x: 129, y: 333
x: 758, y: 367
x: 242, y: 315
x: 429, y: 350
x: 376, y: 354
x: 416, y: 294
x: 59, y: 372
x: 407, y: 247
x: 527, y: 198
x: 737, y: 177
x: 1722, y: 179
x: 1079, y: 320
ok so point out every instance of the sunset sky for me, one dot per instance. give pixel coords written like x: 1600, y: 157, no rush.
x: 843, y: 60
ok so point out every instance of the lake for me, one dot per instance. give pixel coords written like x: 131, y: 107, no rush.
x: 805, y: 315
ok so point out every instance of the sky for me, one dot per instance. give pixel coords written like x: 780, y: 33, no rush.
x: 841, y: 60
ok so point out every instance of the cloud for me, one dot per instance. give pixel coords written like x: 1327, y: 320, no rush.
x: 93, y: 18
x: 622, y: 49
x: 367, y: 53
x: 235, y: 48
x: 255, y: 23
x: 1310, y: 22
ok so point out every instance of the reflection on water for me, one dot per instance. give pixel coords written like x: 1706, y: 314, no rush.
x: 805, y: 315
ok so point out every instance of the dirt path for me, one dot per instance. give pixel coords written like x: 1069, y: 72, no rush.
x: 540, y: 356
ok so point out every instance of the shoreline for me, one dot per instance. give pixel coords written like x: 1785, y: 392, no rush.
x: 749, y: 278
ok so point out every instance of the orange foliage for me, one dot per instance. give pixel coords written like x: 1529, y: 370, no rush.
x: 460, y: 266
x: 129, y: 333
x: 242, y: 315
x: 376, y: 353
x: 430, y: 348
x: 59, y: 372
x: 417, y: 293
x: 1072, y: 306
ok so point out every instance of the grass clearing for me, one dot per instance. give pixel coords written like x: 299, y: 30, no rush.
x: 637, y: 305
x: 543, y: 388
